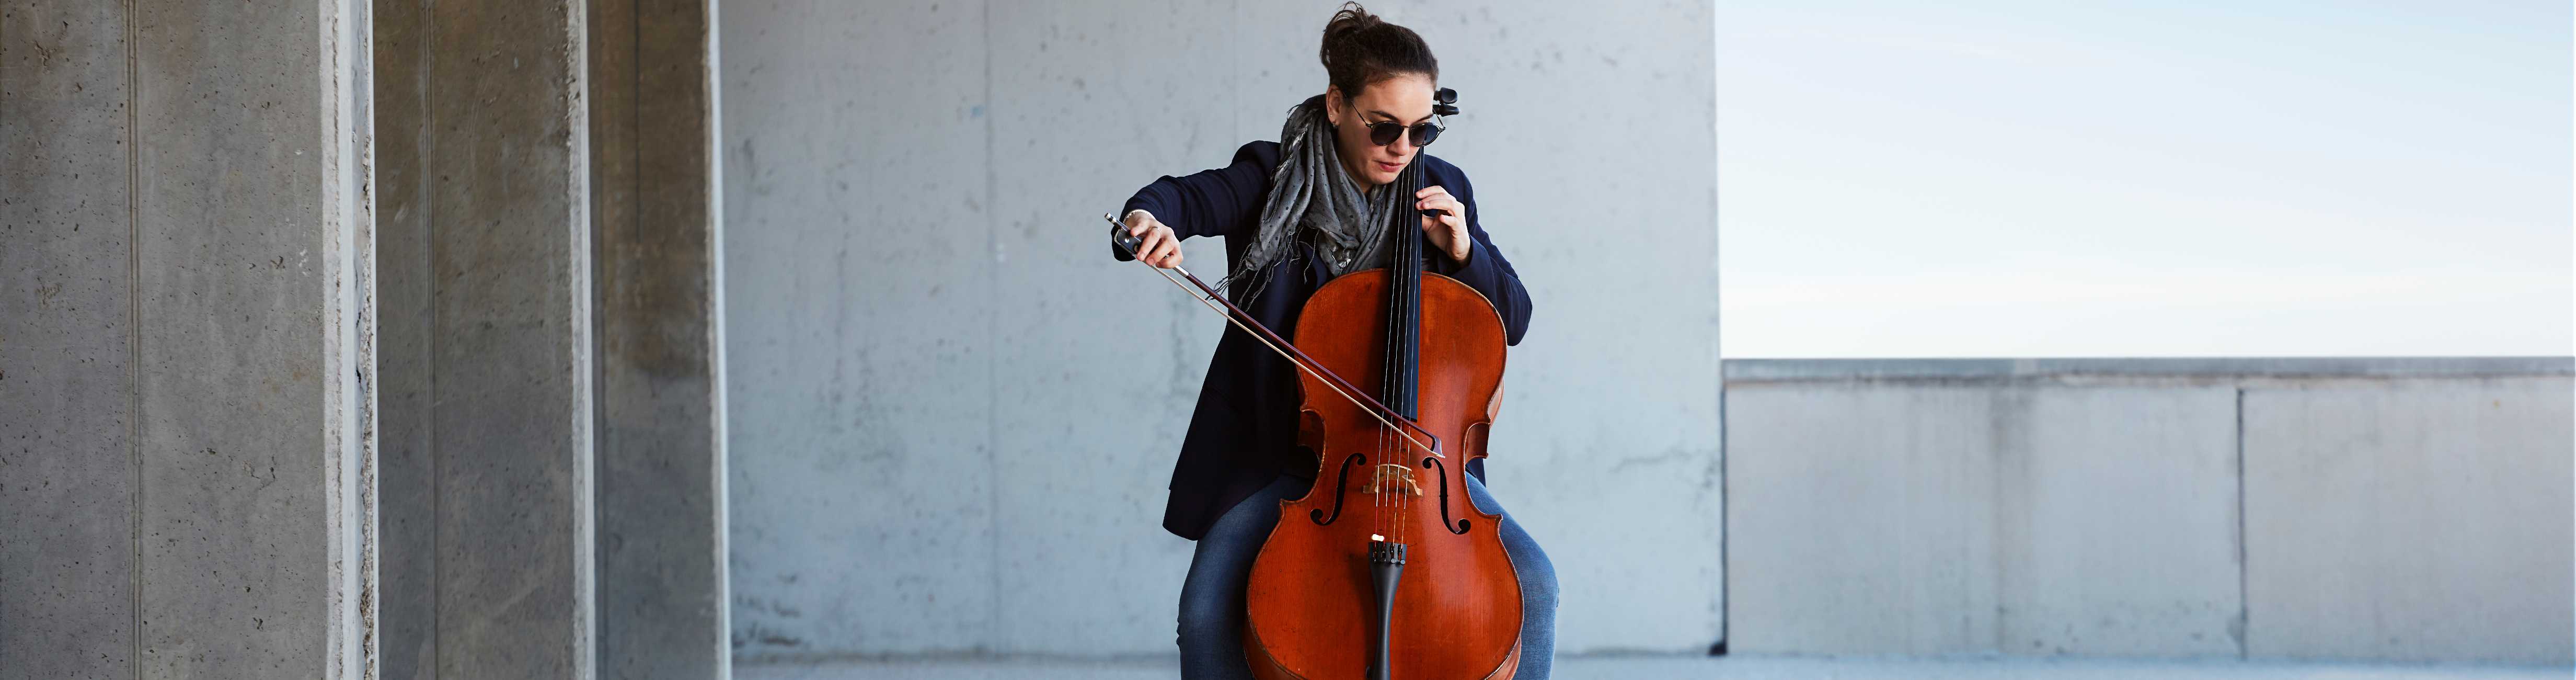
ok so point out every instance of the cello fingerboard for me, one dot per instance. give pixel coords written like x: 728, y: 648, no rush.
x: 1402, y: 376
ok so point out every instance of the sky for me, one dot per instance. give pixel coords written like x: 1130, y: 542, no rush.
x: 2145, y: 179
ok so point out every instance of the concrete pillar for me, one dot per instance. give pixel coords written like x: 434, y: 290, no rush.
x: 487, y: 318
x: 185, y: 395
x: 660, y: 392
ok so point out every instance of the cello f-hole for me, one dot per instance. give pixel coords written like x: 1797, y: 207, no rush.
x: 1339, y: 488
x: 1433, y: 464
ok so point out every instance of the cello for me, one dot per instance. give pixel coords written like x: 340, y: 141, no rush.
x: 1388, y: 571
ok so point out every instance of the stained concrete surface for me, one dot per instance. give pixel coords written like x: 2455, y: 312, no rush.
x: 486, y: 306
x: 406, y: 487
x: 954, y: 416
x: 660, y: 450
x: 512, y: 425
x: 1716, y: 668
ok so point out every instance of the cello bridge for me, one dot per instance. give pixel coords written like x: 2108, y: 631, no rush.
x: 1393, y: 478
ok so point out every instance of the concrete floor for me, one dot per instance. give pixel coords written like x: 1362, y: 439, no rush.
x: 1698, y: 668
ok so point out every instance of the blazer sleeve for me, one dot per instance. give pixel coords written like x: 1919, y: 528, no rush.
x: 1485, y: 269
x: 1209, y: 203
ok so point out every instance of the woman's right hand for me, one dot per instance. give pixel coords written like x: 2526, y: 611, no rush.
x: 1160, y: 247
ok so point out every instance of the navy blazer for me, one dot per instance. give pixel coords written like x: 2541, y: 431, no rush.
x: 1244, y: 432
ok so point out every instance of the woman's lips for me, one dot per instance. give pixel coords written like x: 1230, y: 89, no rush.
x: 1389, y: 167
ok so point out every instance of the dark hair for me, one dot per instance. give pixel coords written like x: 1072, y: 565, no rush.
x: 1360, y: 48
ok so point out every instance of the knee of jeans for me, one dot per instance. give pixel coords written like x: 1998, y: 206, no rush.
x: 1481, y: 498
x: 1539, y: 588
x: 1201, y: 623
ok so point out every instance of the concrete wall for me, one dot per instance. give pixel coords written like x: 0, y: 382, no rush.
x: 185, y: 399
x: 953, y: 416
x: 2381, y: 509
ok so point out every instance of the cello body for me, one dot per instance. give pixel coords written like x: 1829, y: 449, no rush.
x: 1312, y: 604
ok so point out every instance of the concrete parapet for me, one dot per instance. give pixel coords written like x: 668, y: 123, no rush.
x: 2413, y: 520
x: 1949, y: 519
x: 2228, y: 369
x: 2375, y: 509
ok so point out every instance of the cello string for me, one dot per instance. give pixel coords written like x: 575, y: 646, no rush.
x: 1409, y: 332
x: 1395, y: 499
x: 1387, y: 491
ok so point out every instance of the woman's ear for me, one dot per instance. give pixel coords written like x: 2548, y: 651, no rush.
x: 1333, y: 105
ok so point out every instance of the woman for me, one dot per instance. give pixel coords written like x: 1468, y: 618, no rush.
x: 1295, y: 214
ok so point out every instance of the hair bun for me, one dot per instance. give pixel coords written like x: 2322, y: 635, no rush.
x: 1352, y: 17
x: 1360, y: 48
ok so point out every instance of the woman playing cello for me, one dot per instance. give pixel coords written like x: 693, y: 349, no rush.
x: 1296, y: 214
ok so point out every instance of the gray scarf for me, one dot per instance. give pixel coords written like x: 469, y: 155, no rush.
x: 1310, y: 192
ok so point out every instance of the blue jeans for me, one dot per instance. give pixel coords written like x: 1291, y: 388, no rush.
x: 1212, y: 600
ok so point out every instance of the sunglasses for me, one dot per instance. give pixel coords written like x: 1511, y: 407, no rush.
x: 1384, y: 132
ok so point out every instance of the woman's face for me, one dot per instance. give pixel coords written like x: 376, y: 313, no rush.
x: 1404, y: 100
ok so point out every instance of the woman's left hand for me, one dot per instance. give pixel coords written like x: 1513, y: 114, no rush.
x: 1448, y: 232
